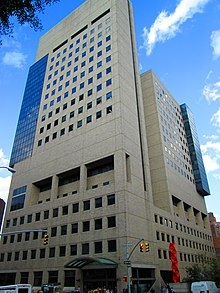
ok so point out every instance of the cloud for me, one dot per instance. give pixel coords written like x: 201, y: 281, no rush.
x: 213, y: 137
x: 211, y: 164
x: 166, y: 25
x: 215, y: 43
x: 4, y: 187
x: 3, y: 159
x: 15, y: 59
x: 217, y: 176
x: 212, y: 92
x: 215, y: 120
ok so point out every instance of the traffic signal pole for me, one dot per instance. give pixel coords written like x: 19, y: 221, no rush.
x: 128, y: 261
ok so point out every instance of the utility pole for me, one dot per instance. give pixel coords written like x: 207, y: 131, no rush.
x: 128, y: 261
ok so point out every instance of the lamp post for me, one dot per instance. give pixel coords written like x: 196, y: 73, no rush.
x: 12, y: 170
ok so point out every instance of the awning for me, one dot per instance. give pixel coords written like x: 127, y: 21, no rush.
x: 87, y: 262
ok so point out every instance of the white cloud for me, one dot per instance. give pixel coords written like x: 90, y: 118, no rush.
x: 215, y: 43
x: 4, y: 187
x: 3, y: 160
x: 166, y: 25
x: 217, y: 176
x: 213, y: 146
x: 216, y: 119
x: 211, y: 164
x: 213, y: 137
x: 212, y: 92
x: 15, y: 59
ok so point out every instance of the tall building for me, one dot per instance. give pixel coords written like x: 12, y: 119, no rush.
x: 2, y: 209
x: 215, y: 229
x: 95, y: 167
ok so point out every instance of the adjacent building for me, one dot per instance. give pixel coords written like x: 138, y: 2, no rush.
x: 105, y: 159
x: 2, y: 209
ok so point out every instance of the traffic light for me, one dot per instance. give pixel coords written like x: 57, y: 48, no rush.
x: 147, y: 246
x: 45, y: 241
x: 125, y: 279
x: 141, y: 245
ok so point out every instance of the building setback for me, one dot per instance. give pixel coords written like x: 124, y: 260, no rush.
x: 103, y: 160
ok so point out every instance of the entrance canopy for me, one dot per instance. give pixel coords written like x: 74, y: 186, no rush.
x: 86, y: 262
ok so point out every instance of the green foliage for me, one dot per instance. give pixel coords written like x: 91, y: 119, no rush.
x: 203, y: 270
x: 25, y: 11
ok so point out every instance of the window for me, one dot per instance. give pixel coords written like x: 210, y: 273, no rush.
x: 108, y: 48
x: 86, y: 226
x: 73, y: 101
x: 89, y: 119
x: 108, y: 58
x: 56, y: 122
x: 108, y: 70
x: 108, y: 82
x: 80, y: 110
x: 71, y: 127
x: 17, y: 258
x: 98, y: 224
x: 33, y: 253
x: 66, y: 94
x: 19, y: 237
x: 42, y: 252
x: 74, y: 228
x: 86, y: 205
x: 64, y: 230
x: 98, y: 202
x: 75, y: 207
x: 108, y: 38
x: 98, y: 114
x: 91, y: 58
x: 62, y: 251
x: 111, y: 221
x: 82, y: 74
x: 52, y: 252
x: 99, y: 64
x: 85, y: 248
x: 62, y: 131
x: 67, y: 83
x: 21, y: 220
x: 73, y: 249
x: 99, y: 87
x: 89, y: 92
x: 54, y: 136
x: 74, y: 78
x: 83, y: 63
x: 90, y: 80
x: 76, y: 59
x: 99, y: 75
x: 99, y: 54
x: 24, y: 255
x: 46, y: 214
x: 98, y: 247
x: 81, y: 86
x: 91, y: 49
x: 57, y: 110
x: 89, y: 105
x: 63, y: 118
x: 98, y: 100
x: 53, y: 231
x: 108, y: 95
x: 112, y: 246
x: 65, y: 106
x: 90, y: 69
x: 27, y: 236
x: 108, y: 109
x: 65, y: 210
x: 99, y: 44
x: 72, y: 114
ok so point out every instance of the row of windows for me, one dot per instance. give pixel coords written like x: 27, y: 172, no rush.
x: 110, y: 222
x: 164, y: 254
x: 62, y: 211
x: 60, y: 251
x: 99, y: 75
x: 89, y: 93
x: 182, y: 228
x: 161, y: 236
x: 79, y: 124
x: 84, y: 37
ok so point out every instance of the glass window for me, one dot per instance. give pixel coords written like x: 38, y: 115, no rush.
x: 64, y: 230
x: 75, y: 208
x: 74, y: 228
x: 98, y: 247
x: 98, y: 100
x: 89, y: 119
x: 73, y: 249
x: 108, y: 48
x: 81, y: 86
x: 91, y: 49
x: 99, y: 64
x: 98, y: 202
x: 79, y: 123
x: 90, y: 69
x: 98, y: 114
x: 108, y: 38
x: 108, y: 70
x: 99, y: 75
x: 86, y: 226
x: 89, y: 92
x: 85, y: 248
x: 90, y: 80
x: 108, y: 82
x: 111, y: 222
x: 108, y: 95
x: 86, y: 205
x: 91, y: 58
x: 99, y: 54
x: 98, y: 224
x: 112, y: 246
x: 99, y: 87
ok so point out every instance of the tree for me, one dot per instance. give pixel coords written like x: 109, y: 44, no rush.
x: 204, y: 270
x: 25, y: 11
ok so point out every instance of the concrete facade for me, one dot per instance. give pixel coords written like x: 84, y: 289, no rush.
x: 98, y: 177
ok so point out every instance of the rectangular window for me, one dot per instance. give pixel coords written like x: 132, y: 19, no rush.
x: 74, y: 228
x: 62, y: 251
x: 99, y: 87
x: 89, y: 119
x: 98, y: 202
x: 112, y: 246
x: 111, y: 199
x: 98, y: 247
x: 85, y: 248
x: 108, y: 58
x: 63, y: 230
x: 86, y: 226
x: 91, y: 49
x: 89, y: 105
x: 75, y: 208
x: 73, y: 249
x: 98, y: 224
x: 111, y: 222
x: 98, y: 114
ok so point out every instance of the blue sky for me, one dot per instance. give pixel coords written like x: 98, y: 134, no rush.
x: 179, y: 40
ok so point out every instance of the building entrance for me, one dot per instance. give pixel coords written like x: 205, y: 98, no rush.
x: 99, y: 280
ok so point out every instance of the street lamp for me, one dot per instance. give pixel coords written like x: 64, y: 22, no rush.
x: 12, y: 170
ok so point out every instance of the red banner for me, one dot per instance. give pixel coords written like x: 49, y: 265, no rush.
x: 174, y: 262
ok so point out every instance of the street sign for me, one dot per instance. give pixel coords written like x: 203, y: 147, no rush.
x: 127, y: 262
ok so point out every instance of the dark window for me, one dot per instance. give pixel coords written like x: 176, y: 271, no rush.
x: 75, y: 207
x: 65, y: 210
x: 52, y: 252
x: 69, y: 280
x: 37, y: 217
x: 85, y: 248
x: 33, y: 254
x: 86, y: 205
x: 27, y: 236
x: 74, y: 228
x: 86, y: 226
x: 98, y: 247
x: 111, y: 199
x: 112, y: 246
x: 35, y: 235
x: 46, y: 214
x: 12, y: 238
x: 64, y: 230
x: 25, y: 255
x: 55, y: 212
x: 17, y: 257
x: 111, y: 221
x: 19, y: 237
x: 73, y: 249
x: 53, y: 277
x: 24, y: 278
x: 53, y: 231
x: 42, y: 252
x: 98, y: 202
x: 38, y: 278
x: 98, y: 224
x: 29, y: 218
x: 62, y: 250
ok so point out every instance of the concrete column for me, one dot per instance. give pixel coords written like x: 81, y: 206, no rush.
x: 83, y: 179
x: 54, y: 188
